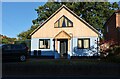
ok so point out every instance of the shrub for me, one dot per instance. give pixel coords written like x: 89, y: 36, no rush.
x: 109, y: 48
x: 113, y: 55
x: 110, y: 51
x: 114, y: 51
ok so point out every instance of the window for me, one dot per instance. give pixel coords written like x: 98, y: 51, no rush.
x: 44, y: 43
x: 16, y: 47
x: 84, y: 43
x: 7, y: 47
x: 107, y: 29
x: 63, y: 22
x: 80, y: 43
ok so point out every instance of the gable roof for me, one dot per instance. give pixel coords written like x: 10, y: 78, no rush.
x: 63, y: 6
x: 116, y: 11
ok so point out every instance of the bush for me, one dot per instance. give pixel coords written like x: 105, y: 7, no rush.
x: 117, y: 50
x: 109, y: 48
x: 114, y: 51
x: 110, y: 51
x: 113, y: 54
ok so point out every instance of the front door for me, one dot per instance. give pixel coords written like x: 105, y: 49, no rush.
x: 63, y: 48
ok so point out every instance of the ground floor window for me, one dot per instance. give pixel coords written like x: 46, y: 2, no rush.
x: 84, y: 43
x: 44, y: 43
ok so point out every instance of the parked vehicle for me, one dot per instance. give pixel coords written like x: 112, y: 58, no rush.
x: 14, y: 51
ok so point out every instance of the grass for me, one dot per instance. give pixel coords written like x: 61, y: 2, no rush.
x: 61, y: 67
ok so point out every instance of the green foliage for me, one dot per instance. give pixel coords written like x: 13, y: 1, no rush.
x: 114, y: 51
x: 113, y: 54
x: 26, y: 42
x: 95, y: 13
x: 26, y: 34
x: 6, y: 40
x: 45, y: 11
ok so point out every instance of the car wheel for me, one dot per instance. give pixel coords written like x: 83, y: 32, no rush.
x: 22, y: 58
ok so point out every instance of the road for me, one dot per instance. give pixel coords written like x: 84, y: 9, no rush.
x: 39, y: 68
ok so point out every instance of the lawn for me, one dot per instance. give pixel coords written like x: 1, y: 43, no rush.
x: 61, y: 67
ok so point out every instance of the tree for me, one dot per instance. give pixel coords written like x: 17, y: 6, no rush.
x: 119, y: 4
x: 45, y: 11
x: 95, y: 13
x: 6, y: 40
x: 26, y: 34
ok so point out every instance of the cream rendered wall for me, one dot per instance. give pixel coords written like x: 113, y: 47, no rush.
x: 79, y: 29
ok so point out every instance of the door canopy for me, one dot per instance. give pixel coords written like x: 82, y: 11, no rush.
x: 62, y: 35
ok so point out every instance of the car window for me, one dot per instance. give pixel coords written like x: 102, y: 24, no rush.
x: 7, y: 47
x: 17, y: 47
x: 13, y: 47
x: 0, y: 46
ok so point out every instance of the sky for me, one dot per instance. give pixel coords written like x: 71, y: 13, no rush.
x: 17, y: 16
x: 113, y: 0
x: 0, y: 17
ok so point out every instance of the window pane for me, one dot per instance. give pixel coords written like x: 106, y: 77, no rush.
x: 56, y: 24
x: 70, y: 23
x: 61, y: 21
x: 66, y: 22
x: 41, y: 44
x: 80, y: 43
x: 48, y: 44
x: 7, y: 47
x: 107, y: 29
x: 86, y: 43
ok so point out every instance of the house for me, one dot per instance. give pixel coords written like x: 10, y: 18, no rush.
x: 112, y: 28
x: 64, y: 35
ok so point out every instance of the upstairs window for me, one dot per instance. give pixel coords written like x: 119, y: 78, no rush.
x: 63, y: 22
x: 107, y: 29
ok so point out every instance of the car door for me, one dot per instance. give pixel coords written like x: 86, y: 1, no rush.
x: 17, y: 50
x: 6, y: 51
x: 14, y: 51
